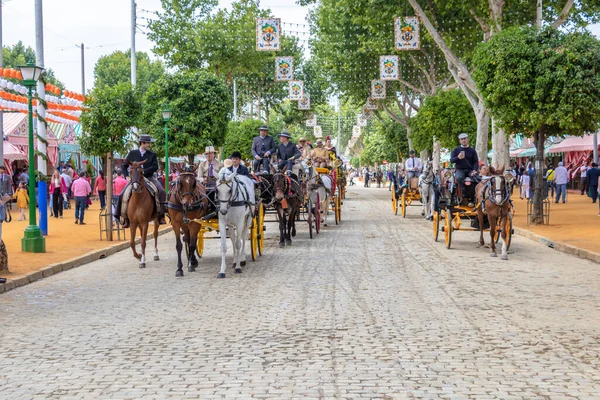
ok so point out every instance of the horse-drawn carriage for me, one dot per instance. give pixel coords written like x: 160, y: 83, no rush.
x: 335, y: 194
x: 404, y: 195
x: 491, y: 210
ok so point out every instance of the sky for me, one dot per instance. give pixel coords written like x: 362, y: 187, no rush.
x: 104, y: 27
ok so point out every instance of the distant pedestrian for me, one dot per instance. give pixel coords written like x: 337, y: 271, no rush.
x: 550, y: 180
x: 583, y: 182
x: 100, y: 188
x: 592, y: 176
x: 561, y: 178
x: 58, y: 188
x: 525, y: 185
x: 81, y: 190
x: 22, y: 198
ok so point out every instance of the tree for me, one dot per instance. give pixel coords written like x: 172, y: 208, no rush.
x: 443, y: 116
x: 115, y: 68
x: 19, y: 55
x: 239, y: 137
x: 201, y: 104
x: 541, y: 83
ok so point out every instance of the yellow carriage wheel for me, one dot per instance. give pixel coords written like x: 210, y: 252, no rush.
x: 448, y: 228
x: 334, y: 201
x: 253, y: 239
x: 436, y: 225
x: 509, y: 231
x: 403, y: 203
x: 394, y: 203
x: 261, y: 229
x: 339, y: 208
x: 200, y: 243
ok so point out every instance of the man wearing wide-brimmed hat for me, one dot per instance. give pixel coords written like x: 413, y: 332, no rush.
x: 143, y: 153
x: 208, y: 170
x: 320, y: 155
x: 263, y: 147
x: 304, y: 148
x: 287, y: 152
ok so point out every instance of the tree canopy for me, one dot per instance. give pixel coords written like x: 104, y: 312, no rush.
x: 239, y: 137
x: 18, y: 55
x: 201, y: 104
x: 115, y: 68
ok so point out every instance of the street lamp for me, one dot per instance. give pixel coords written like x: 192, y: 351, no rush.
x: 167, y: 114
x: 33, y: 241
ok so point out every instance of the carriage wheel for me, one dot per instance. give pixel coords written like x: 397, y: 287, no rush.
x: 394, y: 202
x: 310, y: 217
x: 448, y: 228
x: 335, y: 209
x: 200, y: 244
x: 261, y: 229
x: 253, y: 239
x: 339, y: 208
x: 436, y: 225
x: 318, y: 214
x: 403, y: 203
x: 509, y: 231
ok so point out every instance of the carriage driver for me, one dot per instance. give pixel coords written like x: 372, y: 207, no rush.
x: 263, y: 147
x: 150, y: 167
x: 208, y: 170
x: 465, y: 160
x: 413, y: 166
x: 287, y: 152
x: 320, y: 155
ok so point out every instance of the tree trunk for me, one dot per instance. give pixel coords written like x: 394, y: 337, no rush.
x: 410, y: 143
x: 437, y: 155
x: 539, y: 138
x: 500, y: 145
x: 108, y: 173
x: 483, y: 131
x: 258, y: 108
x: 191, y: 159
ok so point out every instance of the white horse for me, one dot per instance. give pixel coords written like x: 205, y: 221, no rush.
x: 319, y: 185
x: 426, y: 181
x: 236, y: 204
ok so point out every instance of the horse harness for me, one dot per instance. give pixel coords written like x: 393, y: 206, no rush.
x: 489, y: 194
x: 229, y: 183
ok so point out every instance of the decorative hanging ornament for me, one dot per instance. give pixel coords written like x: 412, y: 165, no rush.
x: 406, y: 33
x: 312, y: 121
x: 388, y: 68
x: 296, y: 90
x: 371, y: 104
x: 361, y: 121
x: 318, y: 131
x: 377, y: 89
x: 284, y: 69
x: 367, y: 114
x: 355, y: 132
x: 268, y: 34
x: 304, y: 102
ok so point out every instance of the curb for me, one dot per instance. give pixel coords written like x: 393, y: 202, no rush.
x: 562, y: 247
x: 72, y: 263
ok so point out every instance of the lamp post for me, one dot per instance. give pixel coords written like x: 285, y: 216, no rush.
x: 33, y: 241
x: 166, y: 114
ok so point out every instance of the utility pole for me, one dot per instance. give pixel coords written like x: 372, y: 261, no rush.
x: 82, y: 69
x: 41, y: 124
x: 595, y: 141
x: 539, y: 15
x: 133, y: 52
x: 1, y: 113
x: 235, y: 100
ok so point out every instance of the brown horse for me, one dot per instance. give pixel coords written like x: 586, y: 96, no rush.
x: 288, y: 200
x: 141, y: 209
x: 187, y: 203
x: 493, y: 200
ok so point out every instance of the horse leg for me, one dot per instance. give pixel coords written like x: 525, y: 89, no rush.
x: 480, y: 220
x: 243, y: 236
x: 492, y: 219
x: 503, y: 237
x: 296, y: 210
x: 282, y: 224
x: 179, y: 247
x: 156, y: 257
x: 288, y: 230
x: 325, y: 209
x: 223, y: 231
x: 132, y: 232
x: 144, y: 235
x: 235, y: 243
x: 193, y: 244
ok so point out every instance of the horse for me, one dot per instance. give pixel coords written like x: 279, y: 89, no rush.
x: 379, y: 178
x: 426, y: 187
x: 493, y: 200
x: 235, y: 194
x: 141, y: 209
x: 187, y: 203
x: 287, y: 201
x: 319, y: 186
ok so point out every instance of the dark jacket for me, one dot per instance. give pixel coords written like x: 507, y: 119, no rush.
x: 150, y: 166
x: 592, y: 176
x: 284, y: 152
x: 261, y: 145
x: 6, y: 184
x: 470, y: 162
x: 242, y: 170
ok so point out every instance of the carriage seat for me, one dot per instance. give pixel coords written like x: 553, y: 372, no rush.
x: 322, y: 170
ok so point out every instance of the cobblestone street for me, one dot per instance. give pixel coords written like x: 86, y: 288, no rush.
x: 373, y: 309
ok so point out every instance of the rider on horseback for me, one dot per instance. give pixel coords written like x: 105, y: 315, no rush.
x: 150, y: 167
x: 465, y: 162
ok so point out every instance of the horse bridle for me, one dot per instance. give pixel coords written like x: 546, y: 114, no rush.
x: 230, y: 203
x: 504, y: 192
x: 196, y: 195
x: 135, y: 179
x: 431, y: 175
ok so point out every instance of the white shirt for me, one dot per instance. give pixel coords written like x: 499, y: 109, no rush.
x: 583, y: 171
x: 413, y: 164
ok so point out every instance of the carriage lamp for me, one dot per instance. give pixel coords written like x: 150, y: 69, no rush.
x: 166, y: 115
x: 33, y: 241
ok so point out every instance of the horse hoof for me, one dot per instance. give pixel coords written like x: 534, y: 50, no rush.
x: 191, y: 269
x: 238, y: 270
x: 156, y: 258
x: 243, y: 264
x: 234, y: 265
x: 288, y: 242
x: 179, y: 273
x: 493, y: 255
x: 422, y: 214
x: 221, y: 276
x: 505, y: 258
x: 142, y: 265
x: 194, y: 264
x: 282, y: 245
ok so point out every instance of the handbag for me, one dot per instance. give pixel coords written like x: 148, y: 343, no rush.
x: 89, y: 201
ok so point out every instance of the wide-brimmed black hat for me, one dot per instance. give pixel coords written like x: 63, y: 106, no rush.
x: 236, y: 154
x: 284, y: 134
x: 146, y: 139
x: 263, y: 128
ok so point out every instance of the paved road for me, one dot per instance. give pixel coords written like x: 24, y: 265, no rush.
x: 370, y: 309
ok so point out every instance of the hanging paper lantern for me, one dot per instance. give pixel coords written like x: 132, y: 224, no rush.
x: 284, y: 68
x: 406, y: 33
x: 268, y: 34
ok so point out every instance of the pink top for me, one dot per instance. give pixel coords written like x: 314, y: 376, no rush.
x: 118, y: 185
x: 81, y: 188
x: 100, y: 184
x: 63, y: 185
